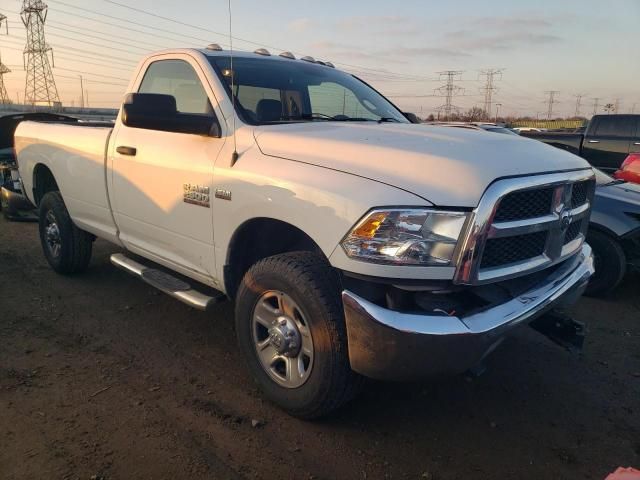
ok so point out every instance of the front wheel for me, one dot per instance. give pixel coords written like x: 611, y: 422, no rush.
x: 610, y: 263
x: 290, y: 327
x: 65, y: 246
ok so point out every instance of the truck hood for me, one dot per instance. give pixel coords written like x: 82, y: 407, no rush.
x: 446, y: 166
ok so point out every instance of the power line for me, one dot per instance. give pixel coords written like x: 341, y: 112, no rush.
x: 126, y: 80
x: 102, y: 38
x: 378, y: 74
x: 221, y: 34
x: 103, y: 22
x: 89, y: 54
x: 432, y: 95
x: 550, y: 102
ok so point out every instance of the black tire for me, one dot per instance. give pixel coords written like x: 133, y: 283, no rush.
x: 610, y: 263
x: 311, y: 282
x: 74, y: 247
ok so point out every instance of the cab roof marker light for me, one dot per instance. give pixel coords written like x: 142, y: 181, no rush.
x: 288, y: 55
x: 215, y: 47
x: 262, y: 51
x: 308, y: 59
x: 329, y: 64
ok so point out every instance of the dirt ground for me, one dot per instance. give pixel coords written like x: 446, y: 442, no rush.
x: 103, y: 377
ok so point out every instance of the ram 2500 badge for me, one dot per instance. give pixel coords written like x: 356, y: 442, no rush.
x: 353, y: 243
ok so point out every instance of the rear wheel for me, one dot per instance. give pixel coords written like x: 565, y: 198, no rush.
x: 610, y: 263
x: 66, y: 247
x: 290, y: 327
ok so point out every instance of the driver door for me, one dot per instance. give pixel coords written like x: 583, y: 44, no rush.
x: 162, y: 181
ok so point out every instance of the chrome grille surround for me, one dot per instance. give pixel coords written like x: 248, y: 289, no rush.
x: 482, y: 227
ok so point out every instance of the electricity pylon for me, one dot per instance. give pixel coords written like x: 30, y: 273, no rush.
x: 4, y: 98
x: 40, y: 86
x: 491, y: 74
x: 448, y: 91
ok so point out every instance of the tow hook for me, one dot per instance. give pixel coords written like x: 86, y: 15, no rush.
x: 561, y: 329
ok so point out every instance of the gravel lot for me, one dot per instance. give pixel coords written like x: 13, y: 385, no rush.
x: 103, y: 377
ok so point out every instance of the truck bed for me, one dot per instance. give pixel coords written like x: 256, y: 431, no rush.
x: 571, y: 142
x: 76, y: 156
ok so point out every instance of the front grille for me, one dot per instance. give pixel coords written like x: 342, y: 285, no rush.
x: 573, y: 231
x: 524, y: 205
x: 507, y: 250
x: 579, y: 193
x: 520, y: 226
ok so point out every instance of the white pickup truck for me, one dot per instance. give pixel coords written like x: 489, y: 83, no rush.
x: 353, y: 243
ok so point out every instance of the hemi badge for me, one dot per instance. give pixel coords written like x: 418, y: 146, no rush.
x: 223, y: 194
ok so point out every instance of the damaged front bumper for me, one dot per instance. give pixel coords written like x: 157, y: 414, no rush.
x: 390, y: 345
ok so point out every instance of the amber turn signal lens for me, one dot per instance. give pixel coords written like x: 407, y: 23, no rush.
x: 369, y: 228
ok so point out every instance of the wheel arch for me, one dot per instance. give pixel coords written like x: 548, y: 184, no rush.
x: 259, y: 238
x: 43, y: 182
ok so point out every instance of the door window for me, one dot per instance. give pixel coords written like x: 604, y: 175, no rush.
x: 178, y: 79
x: 615, y: 126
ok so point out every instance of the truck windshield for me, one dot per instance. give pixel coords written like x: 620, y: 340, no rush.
x: 271, y: 91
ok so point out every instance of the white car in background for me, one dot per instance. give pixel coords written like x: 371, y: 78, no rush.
x: 528, y: 129
x: 487, y: 127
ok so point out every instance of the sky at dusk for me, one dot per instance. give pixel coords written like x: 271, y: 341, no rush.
x: 576, y: 47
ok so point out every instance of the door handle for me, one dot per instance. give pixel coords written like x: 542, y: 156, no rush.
x: 131, y: 151
x: 594, y: 141
x: 636, y: 143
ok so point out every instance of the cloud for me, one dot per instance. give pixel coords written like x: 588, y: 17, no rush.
x: 360, y: 21
x: 325, y: 45
x: 394, y: 55
x: 502, y: 33
x: 379, y: 25
x: 332, y: 50
x: 300, y: 25
x: 425, y: 52
x: 511, y: 22
x: 499, y: 41
x: 474, y: 35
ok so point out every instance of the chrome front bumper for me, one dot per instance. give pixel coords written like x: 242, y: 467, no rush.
x: 389, y: 345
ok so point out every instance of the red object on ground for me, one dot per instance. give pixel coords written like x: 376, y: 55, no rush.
x: 630, y: 169
x: 624, y: 474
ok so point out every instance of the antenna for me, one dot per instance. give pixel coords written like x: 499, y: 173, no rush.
x: 234, y: 155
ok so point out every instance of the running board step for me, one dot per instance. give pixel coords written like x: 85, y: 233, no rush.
x: 167, y: 283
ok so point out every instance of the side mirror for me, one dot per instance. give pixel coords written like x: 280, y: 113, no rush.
x: 152, y: 111
x: 412, y: 117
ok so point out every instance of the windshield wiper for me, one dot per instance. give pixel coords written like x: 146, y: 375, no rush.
x: 329, y: 118
x: 343, y: 118
x: 614, y: 182
x: 316, y: 116
x: 388, y: 119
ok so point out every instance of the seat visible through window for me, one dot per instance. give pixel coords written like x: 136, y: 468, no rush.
x: 269, y: 110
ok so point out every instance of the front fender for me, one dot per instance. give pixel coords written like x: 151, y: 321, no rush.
x: 323, y: 203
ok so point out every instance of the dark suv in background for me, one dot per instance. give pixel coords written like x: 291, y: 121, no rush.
x: 606, y: 143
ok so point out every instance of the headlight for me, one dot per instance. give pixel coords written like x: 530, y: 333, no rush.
x: 406, y: 237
